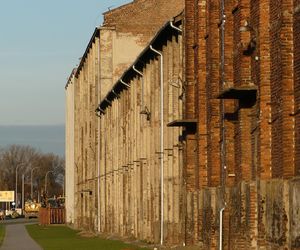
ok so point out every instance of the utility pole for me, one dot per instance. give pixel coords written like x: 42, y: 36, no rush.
x: 31, y: 183
x: 16, y: 194
x: 46, y: 180
x: 23, y: 177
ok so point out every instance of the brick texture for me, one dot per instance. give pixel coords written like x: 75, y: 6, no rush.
x: 261, y: 139
x: 142, y: 16
x: 297, y: 82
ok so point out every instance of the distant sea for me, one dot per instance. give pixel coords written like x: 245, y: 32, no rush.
x: 47, y: 139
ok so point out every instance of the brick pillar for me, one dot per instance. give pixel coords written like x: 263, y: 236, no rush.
x: 190, y: 149
x: 213, y: 108
x: 287, y: 49
x: 263, y: 39
x: 236, y: 81
x: 189, y: 58
x: 189, y: 113
x: 297, y: 82
x: 202, y: 94
x: 282, y: 78
x: 245, y: 80
x: 255, y: 75
x: 276, y: 88
x: 229, y: 107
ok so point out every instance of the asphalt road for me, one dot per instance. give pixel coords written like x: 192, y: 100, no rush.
x: 16, y: 236
x: 19, y: 221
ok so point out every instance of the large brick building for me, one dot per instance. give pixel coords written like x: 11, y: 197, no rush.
x: 242, y: 90
x: 196, y: 139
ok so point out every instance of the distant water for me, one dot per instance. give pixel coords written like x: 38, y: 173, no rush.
x: 47, y: 139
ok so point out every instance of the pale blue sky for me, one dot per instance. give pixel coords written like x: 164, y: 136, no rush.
x: 40, y: 42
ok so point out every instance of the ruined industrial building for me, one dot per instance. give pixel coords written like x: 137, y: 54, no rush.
x: 183, y: 125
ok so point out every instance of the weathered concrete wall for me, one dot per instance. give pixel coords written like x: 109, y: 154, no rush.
x: 273, y: 205
x: 69, y: 150
x: 86, y: 98
x: 131, y: 153
x: 112, y: 48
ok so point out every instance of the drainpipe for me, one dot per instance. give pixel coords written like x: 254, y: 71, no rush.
x: 99, y: 147
x: 161, y: 142
x: 141, y: 74
x: 223, y: 145
x: 221, y: 229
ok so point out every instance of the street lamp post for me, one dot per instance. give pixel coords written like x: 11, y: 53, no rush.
x: 46, y: 180
x: 23, y: 181
x: 31, y: 185
x: 63, y: 186
x: 16, y: 194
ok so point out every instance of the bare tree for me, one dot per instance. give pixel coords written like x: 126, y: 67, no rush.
x: 14, y: 155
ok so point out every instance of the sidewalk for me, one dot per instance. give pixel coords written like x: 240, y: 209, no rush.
x: 17, y: 238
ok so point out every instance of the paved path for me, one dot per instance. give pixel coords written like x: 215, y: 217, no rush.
x: 17, y: 238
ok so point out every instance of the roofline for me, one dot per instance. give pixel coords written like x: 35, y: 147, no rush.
x: 111, y: 94
x: 117, y: 8
x: 70, y: 77
x: 89, y: 46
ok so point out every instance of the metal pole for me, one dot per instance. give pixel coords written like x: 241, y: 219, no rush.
x: 63, y: 187
x: 23, y: 177
x: 31, y: 186
x: 46, y: 180
x: 16, y: 194
x: 221, y: 229
x: 16, y: 199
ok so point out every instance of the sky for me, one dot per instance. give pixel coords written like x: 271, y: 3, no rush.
x: 41, y: 41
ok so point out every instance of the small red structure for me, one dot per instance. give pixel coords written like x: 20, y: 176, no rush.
x: 49, y: 216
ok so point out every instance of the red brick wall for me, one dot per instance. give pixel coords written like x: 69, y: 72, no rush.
x: 287, y: 54
x: 143, y: 16
x: 229, y: 106
x: 255, y: 76
x: 264, y: 94
x: 201, y: 103
x: 213, y: 114
x: 297, y: 81
x: 276, y: 79
x: 189, y: 107
x: 262, y: 138
x: 282, y: 98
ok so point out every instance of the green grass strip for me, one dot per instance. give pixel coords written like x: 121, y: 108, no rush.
x: 2, y: 234
x: 64, y: 238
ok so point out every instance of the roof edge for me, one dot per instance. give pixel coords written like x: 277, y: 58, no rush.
x: 70, y: 77
x: 82, y: 60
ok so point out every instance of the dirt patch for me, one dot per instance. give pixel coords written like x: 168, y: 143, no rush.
x: 182, y: 248
x: 86, y: 234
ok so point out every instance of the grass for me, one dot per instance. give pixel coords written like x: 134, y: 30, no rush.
x: 64, y: 238
x: 2, y: 233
